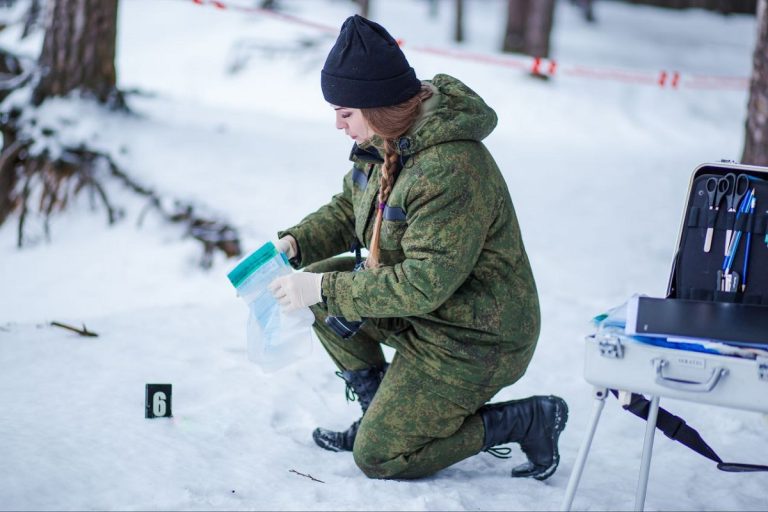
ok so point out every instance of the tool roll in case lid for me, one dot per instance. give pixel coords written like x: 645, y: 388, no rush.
x: 718, y: 288
x: 716, y: 193
x: 673, y: 346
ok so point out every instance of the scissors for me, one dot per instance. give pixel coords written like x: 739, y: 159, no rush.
x: 716, y: 189
x: 738, y: 189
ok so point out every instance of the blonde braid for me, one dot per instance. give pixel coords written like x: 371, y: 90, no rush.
x: 386, y: 183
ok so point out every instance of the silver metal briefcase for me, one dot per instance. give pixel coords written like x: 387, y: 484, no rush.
x: 617, y: 362
x: 700, y: 304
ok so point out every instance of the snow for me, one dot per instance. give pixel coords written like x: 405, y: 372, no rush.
x: 598, y: 171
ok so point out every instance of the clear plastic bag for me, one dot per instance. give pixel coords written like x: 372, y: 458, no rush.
x: 275, y: 338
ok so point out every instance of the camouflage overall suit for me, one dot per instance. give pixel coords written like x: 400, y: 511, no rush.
x: 455, y: 295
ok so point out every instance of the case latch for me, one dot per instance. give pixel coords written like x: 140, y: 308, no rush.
x: 611, y: 347
x: 762, y: 368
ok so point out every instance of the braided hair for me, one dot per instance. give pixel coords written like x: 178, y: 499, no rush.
x: 390, y: 123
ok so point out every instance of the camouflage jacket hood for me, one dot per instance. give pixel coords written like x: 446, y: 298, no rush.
x: 454, y: 112
x: 454, y: 267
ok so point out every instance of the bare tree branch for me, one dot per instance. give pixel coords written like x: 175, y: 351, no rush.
x: 306, y: 476
x: 82, y: 332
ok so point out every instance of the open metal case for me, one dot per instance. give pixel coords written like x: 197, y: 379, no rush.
x: 718, y: 287
x: 696, y: 309
x: 695, y: 267
x: 699, y: 305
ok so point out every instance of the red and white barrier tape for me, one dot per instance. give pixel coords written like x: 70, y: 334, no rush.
x: 268, y: 12
x: 535, y: 66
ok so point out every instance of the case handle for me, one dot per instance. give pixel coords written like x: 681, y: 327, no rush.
x: 684, y: 385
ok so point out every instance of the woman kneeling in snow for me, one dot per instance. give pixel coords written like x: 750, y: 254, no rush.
x: 446, y: 283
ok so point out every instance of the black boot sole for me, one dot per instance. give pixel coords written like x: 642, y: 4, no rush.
x: 327, y: 440
x: 529, y: 470
x: 336, y: 441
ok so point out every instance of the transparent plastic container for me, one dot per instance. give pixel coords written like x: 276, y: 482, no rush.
x: 274, y: 338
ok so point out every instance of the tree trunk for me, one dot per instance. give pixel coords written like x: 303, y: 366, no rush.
x: 458, y: 34
x: 529, y: 25
x: 541, y: 15
x: 756, y: 140
x: 79, y: 51
x: 365, y: 8
x: 514, y: 35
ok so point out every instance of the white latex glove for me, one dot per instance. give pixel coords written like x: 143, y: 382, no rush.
x: 287, y: 245
x: 297, y: 290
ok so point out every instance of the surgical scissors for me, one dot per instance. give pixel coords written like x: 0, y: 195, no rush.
x: 716, y: 188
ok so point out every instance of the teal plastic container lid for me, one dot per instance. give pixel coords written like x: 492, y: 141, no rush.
x: 252, y: 263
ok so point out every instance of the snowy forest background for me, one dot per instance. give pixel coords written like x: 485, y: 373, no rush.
x: 210, y: 133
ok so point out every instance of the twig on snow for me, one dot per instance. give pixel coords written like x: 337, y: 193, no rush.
x: 306, y: 476
x: 82, y: 332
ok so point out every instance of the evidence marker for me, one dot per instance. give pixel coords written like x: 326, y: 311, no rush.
x: 157, y: 401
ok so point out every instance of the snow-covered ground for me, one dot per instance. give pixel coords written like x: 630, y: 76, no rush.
x: 231, y: 116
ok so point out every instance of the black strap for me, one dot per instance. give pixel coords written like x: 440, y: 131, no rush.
x: 359, y: 261
x: 675, y: 428
x: 399, y: 167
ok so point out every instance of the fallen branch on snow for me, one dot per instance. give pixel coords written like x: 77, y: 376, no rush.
x: 82, y: 332
x: 306, y: 476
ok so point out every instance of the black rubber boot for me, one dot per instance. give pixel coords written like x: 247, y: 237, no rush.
x: 535, y: 423
x: 360, y: 383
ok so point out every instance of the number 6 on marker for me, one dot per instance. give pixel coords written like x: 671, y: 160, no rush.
x: 158, y: 404
x: 157, y: 401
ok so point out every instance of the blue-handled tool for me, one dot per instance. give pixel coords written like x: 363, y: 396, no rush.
x: 738, y: 189
x: 728, y: 260
x: 747, y: 246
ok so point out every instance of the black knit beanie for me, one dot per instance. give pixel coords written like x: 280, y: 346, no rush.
x: 366, y: 68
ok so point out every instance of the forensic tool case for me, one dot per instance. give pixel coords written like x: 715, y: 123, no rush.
x: 614, y: 361
x: 717, y: 212
x: 717, y: 291
x: 707, y: 340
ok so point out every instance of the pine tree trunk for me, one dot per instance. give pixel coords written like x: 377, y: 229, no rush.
x: 514, y: 36
x: 365, y: 8
x: 756, y: 140
x: 541, y: 15
x: 79, y: 51
x: 529, y: 25
x: 458, y: 34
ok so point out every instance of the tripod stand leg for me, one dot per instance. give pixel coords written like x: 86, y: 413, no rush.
x: 645, y: 464
x: 581, y: 459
